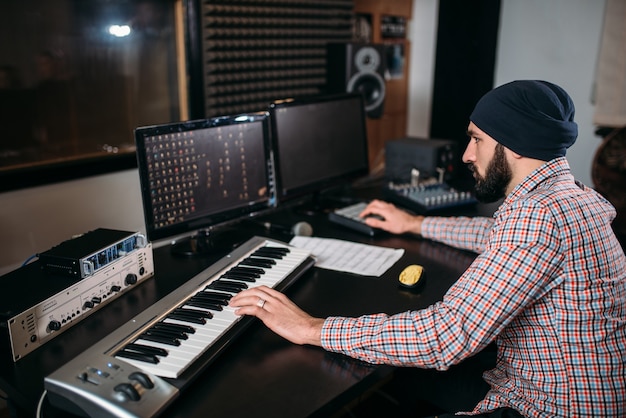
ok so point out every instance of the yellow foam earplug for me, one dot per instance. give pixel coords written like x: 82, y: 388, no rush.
x: 411, y: 275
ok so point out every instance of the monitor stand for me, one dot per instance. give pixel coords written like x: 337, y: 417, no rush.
x: 207, y: 242
x: 319, y: 203
x: 309, y: 207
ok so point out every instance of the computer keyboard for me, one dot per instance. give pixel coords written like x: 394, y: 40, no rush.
x: 422, y: 200
x: 348, y: 216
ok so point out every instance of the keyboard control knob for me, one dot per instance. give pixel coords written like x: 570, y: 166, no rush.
x: 128, y: 391
x: 143, y: 379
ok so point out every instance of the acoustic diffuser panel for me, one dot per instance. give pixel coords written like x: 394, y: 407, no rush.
x: 259, y: 51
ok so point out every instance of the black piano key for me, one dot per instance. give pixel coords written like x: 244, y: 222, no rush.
x: 251, y: 270
x: 265, y: 259
x: 193, y: 312
x: 182, y: 328
x: 216, y: 296
x: 232, y: 287
x: 193, y: 316
x: 278, y: 253
x: 167, y: 333
x: 198, y: 303
x: 284, y: 250
x: 203, y: 296
x: 160, y: 339
x: 232, y: 282
x: 187, y: 318
x: 146, y: 349
x: 258, y: 262
x: 244, y: 272
x: 273, y: 256
x: 147, y: 358
x: 238, y: 276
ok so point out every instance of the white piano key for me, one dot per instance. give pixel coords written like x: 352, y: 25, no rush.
x: 179, y: 358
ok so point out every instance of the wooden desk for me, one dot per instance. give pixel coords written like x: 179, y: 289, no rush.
x: 261, y: 374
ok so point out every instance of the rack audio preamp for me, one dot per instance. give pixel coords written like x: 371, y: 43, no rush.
x: 50, y: 303
x: 85, y: 254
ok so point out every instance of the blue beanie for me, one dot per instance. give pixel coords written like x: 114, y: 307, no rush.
x: 533, y: 118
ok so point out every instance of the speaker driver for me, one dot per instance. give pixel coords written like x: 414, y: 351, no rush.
x: 372, y: 87
x: 358, y: 68
x: 367, y: 59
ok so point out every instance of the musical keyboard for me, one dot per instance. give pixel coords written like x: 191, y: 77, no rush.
x: 139, y: 369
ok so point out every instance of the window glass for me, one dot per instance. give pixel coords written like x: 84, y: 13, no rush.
x: 77, y: 77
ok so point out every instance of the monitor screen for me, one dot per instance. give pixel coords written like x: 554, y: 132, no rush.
x: 318, y: 143
x: 199, y: 174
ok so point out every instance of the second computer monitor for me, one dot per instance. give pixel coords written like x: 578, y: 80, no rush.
x: 318, y: 143
x: 198, y: 176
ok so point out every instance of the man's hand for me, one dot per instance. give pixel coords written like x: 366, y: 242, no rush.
x: 394, y: 220
x: 279, y: 314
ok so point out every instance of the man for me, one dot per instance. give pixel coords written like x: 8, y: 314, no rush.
x: 548, y: 285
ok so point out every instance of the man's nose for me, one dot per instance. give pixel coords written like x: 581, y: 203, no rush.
x: 469, y: 155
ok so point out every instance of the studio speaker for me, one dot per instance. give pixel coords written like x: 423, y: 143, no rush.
x: 358, y: 68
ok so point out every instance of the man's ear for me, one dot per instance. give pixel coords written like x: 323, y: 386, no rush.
x: 513, y: 154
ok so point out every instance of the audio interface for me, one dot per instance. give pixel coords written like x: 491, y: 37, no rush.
x: 50, y: 304
x: 82, y: 256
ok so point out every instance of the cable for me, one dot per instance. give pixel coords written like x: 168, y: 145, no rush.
x: 40, y: 404
x: 29, y: 259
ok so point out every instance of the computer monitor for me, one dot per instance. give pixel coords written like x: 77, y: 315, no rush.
x: 198, y: 176
x: 318, y: 143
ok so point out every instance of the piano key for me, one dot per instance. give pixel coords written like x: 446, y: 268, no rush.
x: 207, y: 304
x: 182, y: 328
x: 239, y: 276
x: 228, y: 286
x: 146, y: 349
x: 187, y: 318
x: 269, y: 253
x: 181, y: 356
x: 134, y: 355
x: 258, y: 262
x: 213, y: 296
x: 253, y: 271
x: 283, y: 250
x: 209, y: 331
x: 166, y: 333
x: 159, y: 369
x: 160, y: 339
x: 206, y: 310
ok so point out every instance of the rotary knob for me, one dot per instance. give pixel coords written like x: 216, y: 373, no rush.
x: 143, y: 379
x: 131, y: 278
x: 54, y: 325
x: 127, y: 391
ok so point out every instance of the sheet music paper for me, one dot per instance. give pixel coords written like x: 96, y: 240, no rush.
x: 334, y: 254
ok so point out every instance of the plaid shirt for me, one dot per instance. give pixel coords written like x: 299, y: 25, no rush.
x: 549, y: 286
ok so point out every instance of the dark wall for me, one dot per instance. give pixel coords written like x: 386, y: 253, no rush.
x: 464, y: 65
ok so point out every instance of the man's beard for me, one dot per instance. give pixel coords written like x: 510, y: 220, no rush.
x: 497, y: 177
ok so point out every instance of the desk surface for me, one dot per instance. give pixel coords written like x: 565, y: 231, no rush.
x: 260, y: 374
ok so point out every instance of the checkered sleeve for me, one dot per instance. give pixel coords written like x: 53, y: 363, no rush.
x: 510, y: 274
x: 460, y: 232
